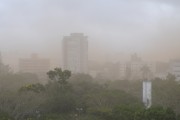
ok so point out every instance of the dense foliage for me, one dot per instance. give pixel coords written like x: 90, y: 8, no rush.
x: 80, y: 97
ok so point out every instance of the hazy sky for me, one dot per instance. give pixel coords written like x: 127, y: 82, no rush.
x: 114, y: 27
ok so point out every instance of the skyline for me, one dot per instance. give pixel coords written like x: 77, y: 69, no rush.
x: 115, y: 29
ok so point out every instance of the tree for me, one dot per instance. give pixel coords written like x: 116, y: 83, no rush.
x: 58, y: 75
x: 160, y: 113
x: 166, y: 93
x: 60, y: 97
x: 171, y: 77
x: 5, y: 116
x: 37, y: 88
x: 124, y: 112
x: 4, y: 69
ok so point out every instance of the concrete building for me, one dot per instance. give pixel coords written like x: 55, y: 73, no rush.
x: 109, y: 71
x: 123, y: 70
x: 136, y: 69
x: 175, y: 68
x: 132, y: 70
x: 39, y: 66
x: 162, y: 70
x: 4, y: 69
x: 75, y: 53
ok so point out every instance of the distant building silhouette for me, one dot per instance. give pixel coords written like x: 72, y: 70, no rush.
x: 4, y: 69
x: 175, y: 68
x: 75, y: 53
x: 0, y: 58
x: 162, y: 70
x: 39, y: 66
x: 135, y: 58
x: 133, y: 69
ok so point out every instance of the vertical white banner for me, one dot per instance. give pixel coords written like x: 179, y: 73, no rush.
x: 147, y: 91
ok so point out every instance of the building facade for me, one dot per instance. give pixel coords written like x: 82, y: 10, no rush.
x: 75, y: 53
x: 34, y: 64
x: 133, y: 70
x: 123, y: 70
x: 175, y: 68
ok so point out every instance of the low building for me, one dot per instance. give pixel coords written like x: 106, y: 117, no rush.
x: 34, y: 64
x: 175, y: 68
x: 123, y: 70
x: 162, y: 70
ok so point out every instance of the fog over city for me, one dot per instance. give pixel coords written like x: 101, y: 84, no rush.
x: 89, y: 59
x: 115, y: 29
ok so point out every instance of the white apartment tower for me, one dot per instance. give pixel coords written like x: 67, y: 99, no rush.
x: 75, y: 53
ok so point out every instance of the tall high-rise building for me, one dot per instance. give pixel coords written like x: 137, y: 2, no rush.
x: 75, y: 53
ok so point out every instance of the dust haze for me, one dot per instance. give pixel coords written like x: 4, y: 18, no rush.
x: 89, y: 59
x: 115, y: 29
